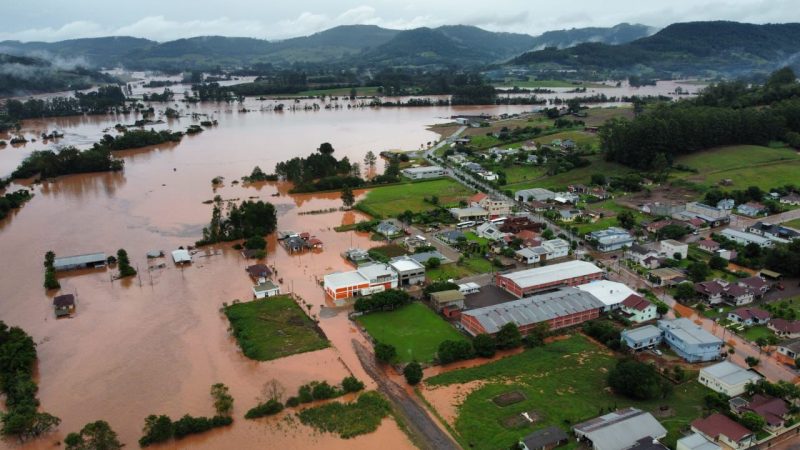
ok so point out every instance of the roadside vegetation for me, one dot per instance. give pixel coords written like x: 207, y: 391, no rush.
x: 348, y: 420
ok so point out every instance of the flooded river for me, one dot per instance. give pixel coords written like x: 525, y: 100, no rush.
x: 156, y: 343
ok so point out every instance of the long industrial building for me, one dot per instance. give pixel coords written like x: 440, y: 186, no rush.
x: 560, y: 308
x: 526, y: 282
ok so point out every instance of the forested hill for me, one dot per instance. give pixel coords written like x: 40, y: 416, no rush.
x: 24, y: 75
x: 693, y: 48
x: 346, y: 46
x: 92, y: 52
x: 618, y: 34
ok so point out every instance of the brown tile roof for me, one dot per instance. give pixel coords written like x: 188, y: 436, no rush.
x: 754, y: 282
x: 751, y: 313
x: 477, y: 197
x: 770, y: 408
x: 716, y: 425
x: 64, y: 301
x: 258, y: 270
x: 636, y: 302
x: 708, y: 243
x: 786, y: 326
x: 709, y: 288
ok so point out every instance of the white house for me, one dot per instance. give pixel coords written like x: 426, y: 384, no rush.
x: 611, y: 293
x: 181, y: 256
x: 638, y: 309
x: 266, y: 289
x: 744, y: 238
x: 670, y: 247
x: 727, y: 378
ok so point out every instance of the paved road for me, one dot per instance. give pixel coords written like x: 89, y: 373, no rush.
x: 431, y: 436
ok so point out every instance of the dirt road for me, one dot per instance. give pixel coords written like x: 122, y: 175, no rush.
x: 431, y: 437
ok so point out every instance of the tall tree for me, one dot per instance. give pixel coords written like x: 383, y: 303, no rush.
x: 348, y: 199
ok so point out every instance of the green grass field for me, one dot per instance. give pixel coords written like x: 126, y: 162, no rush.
x: 477, y: 264
x: 415, y: 331
x: 581, y: 138
x: 348, y: 420
x: 450, y: 271
x: 598, y: 116
x: 753, y: 333
x: 746, y: 165
x: 273, y: 328
x: 581, y: 175
x: 392, y: 200
x: 793, y: 224
x: 563, y: 383
x: 471, y: 236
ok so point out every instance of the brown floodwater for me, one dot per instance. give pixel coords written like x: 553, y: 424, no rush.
x: 156, y: 343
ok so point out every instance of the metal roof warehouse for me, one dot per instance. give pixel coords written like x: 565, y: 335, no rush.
x: 570, y: 273
x: 560, y: 308
x: 89, y: 260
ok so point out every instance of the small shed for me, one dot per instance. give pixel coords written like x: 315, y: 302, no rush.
x: 64, y: 305
x: 181, y: 256
x: 546, y: 439
x: 266, y: 289
x: 772, y: 275
x: 452, y: 299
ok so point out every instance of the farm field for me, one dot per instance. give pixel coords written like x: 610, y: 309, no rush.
x: 581, y: 175
x: 550, y: 84
x: 746, y: 165
x: 560, y: 384
x: 392, y: 200
x: 415, y: 331
x: 273, y: 328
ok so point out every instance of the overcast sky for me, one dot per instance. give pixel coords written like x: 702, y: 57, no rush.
x: 162, y: 20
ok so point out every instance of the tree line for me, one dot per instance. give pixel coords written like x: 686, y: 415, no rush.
x: 724, y: 115
x: 250, y: 219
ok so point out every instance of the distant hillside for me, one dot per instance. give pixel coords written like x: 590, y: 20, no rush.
x: 618, y: 34
x: 25, y: 75
x: 453, y: 45
x: 694, y: 48
x: 104, y: 51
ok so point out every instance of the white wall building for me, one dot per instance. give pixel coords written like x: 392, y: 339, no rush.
x: 670, y: 247
x: 419, y: 173
x: 727, y: 378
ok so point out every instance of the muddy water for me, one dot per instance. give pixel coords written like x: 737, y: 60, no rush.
x: 155, y: 343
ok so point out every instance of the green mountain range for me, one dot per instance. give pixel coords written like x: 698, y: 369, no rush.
x: 693, y: 48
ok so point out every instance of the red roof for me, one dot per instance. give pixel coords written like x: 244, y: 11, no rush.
x: 786, y: 326
x: 770, y: 408
x: 636, y: 302
x: 754, y: 282
x: 717, y: 425
x: 708, y: 243
x: 751, y: 313
x: 709, y: 288
x: 526, y: 234
x: 477, y: 197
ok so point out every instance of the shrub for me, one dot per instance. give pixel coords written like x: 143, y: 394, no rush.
x: 638, y: 381
x: 156, y: 429
x: 267, y: 408
x: 413, y: 373
x: 385, y: 352
x: 323, y: 391
x: 484, y: 345
x: 451, y: 351
x: 508, y: 337
x: 223, y: 401
x: 292, y: 402
x: 352, y: 384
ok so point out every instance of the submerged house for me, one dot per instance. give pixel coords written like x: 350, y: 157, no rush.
x: 64, y: 305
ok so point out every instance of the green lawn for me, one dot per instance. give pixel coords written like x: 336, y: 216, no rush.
x: 478, y: 264
x: 753, y: 333
x: 450, y: 271
x: 273, y: 328
x: 415, y: 331
x: 793, y: 224
x: 387, y: 201
x: 471, y: 236
x: 581, y: 175
x: 746, y: 165
x: 581, y: 138
x: 563, y: 383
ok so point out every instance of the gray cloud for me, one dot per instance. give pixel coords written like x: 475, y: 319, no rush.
x: 159, y: 20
